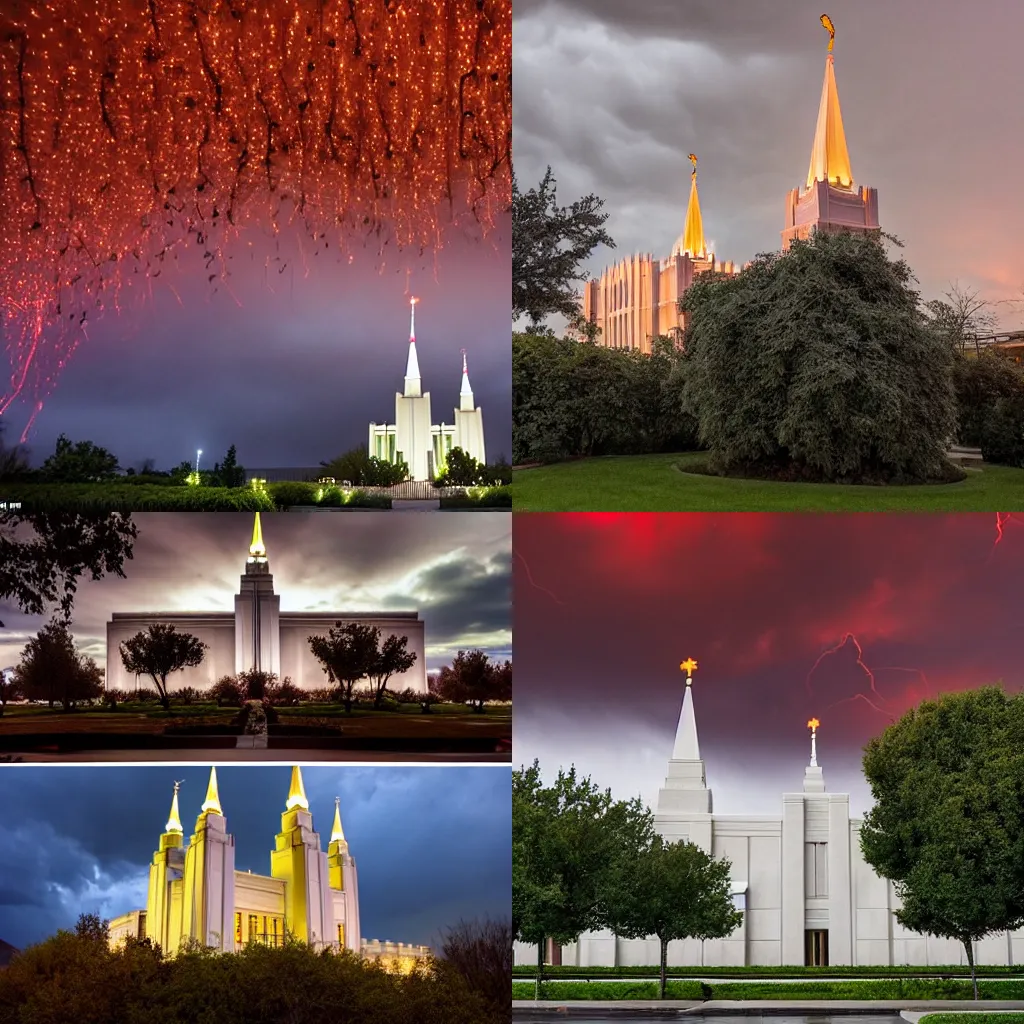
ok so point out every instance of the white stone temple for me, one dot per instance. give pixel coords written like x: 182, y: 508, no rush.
x: 258, y: 636
x: 311, y: 894
x: 414, y: 438
x: 807, y: 896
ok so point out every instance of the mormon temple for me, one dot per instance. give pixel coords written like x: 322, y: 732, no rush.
x: 806, y: 893
x: 311, y: 895
x: 414, y: 438
x: 637, y: 300
x: 258, y: 636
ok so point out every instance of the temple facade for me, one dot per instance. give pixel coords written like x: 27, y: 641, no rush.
x: 637, y: 300
x: 414, y: 438
x: 258, y: 636
x: 806, y: 894
x: 310, y: 895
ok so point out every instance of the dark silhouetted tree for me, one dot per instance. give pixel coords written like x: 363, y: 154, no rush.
x: 158, y: 652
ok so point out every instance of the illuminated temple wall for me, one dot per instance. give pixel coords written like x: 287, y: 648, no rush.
x: 638, y: 299
x: 824, y: 207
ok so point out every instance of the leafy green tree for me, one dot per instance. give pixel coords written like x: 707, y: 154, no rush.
x: 461, y: 470
x: 473, y: 677
x: 52, y: 669
x: 1002, y: 439
x: 549, y: 245
x: 819, y: 364
x: 347, y: 655
x: 159, y: 651
x: 672, y: 891
x: 79, y: 463
x: 44, y: 554
x: 390, y: 659
x: 947, y: 825
x: 980, y: 381
x: 359, y: 469
x: 567, y: 840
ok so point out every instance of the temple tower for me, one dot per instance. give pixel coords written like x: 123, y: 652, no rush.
x: 469, y: 420
x: 163, y: 903
x: 684, y: 802
x: 829, y: 200
x: 257, y: 612
x: 413, y: 442
x: 208, y: 891
x: 300, y: 863
x: 341, y: 868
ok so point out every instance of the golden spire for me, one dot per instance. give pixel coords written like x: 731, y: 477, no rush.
x: 336, y: 833
x: 693, y: 233
x: 257, y: 548
x: 297, y: 792
x: 689, y: 667
x: 830, y: 160
x: 174, y: 821
x: 212, y: 801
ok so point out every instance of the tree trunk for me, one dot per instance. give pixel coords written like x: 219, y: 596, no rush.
x: 540, y: 970
x: 664, y: 961
x: 969, y: 946
x: 165, y: 697
x: 347, y: 692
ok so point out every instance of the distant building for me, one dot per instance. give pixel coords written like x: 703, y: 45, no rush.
x: 257, y: 636
x: 807, y: 895
x: 637, y: 300
x: 414, y: 438
x: 311, y: 894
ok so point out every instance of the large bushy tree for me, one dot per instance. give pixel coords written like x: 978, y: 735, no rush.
x: 820, y: 363
x: 947, y: 825
x: 159, y: 651
x: 78, y: 463
x: 346, y: 654
x: 52, y: 669
x: 990, y: 405
x: 568, y: 840
x: 549, y: 245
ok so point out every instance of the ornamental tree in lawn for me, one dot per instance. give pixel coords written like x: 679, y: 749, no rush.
x: 947, y: 826
x: 820, y: 363
x: 672, y: 891
x: 567, y: 841
x: 158, y: 652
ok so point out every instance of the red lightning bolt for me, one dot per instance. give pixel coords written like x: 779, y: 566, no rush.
x: 849, y: 637
x: 533, y: 583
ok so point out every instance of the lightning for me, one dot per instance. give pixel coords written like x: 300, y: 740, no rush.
x: 1003, y: 519
x: 862, y: 665
x: 533, y: 583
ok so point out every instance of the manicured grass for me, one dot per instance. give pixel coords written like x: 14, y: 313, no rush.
x: 659, y: 483
x: 973, y: 1018
x: 785, y: 971
x: 894, y: 988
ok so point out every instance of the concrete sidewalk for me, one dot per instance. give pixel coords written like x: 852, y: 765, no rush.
x: 762, y: 1007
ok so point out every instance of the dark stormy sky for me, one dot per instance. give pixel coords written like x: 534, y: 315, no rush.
x: 607, y: 606
x: 614, y: 96
x: 292, y: 366
x: 454, y: 569
x: 79, y: 840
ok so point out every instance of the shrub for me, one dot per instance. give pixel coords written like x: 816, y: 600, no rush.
x: 1002, y: 435
x: 359, y: 469
x: 980, y: 382
x: 287, y: 493
x: 324, y: 695
x: 227, y: 692
x: 114, y: 697
x: 819, y: 364
x: 461, y: 470
x: 117, y: 496
x: 83, y: 462
x: 188, y: 695
x: 284, y: 693
x: 479, y: 497
x: 143, y: 695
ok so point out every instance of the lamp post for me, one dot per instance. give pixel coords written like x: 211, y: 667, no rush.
x: 199, y: 451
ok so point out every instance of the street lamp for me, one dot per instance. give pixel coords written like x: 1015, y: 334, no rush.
x: 199, y: 451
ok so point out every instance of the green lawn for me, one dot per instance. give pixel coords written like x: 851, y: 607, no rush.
x: 659, y: 483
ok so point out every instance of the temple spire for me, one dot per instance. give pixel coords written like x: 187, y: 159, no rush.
x: 466, y: 392
x: 413, y: 384
x: 830, y: 160
x: 337, y: 835
x: 297, y: 792
x: 693, y: 232
x: 814, y: 778
x: 257, y: 549
x: 686, y: 747
x: 212, y: 802
x: 174, y: 819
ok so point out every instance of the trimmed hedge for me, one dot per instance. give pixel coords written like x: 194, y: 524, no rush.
x: 489, y: 497
x: 891, y: 988
x: 118, y: 497
x: 785, y: 971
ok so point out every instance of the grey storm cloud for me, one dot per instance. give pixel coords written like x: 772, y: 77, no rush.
x: 614, y: 96
x: 454, y: 568
x: 78, y: 840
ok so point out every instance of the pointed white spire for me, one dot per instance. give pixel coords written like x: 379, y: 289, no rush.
x: 297, y: 791
x: 814, y: 779
x: 257, y: 549
x: 466, y: 392
x: 174, y: 819
x: 686, y: 747
x: 830, y: 159
x: 413, y: 384
x: 212, y: 801
x: 337, y: 835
